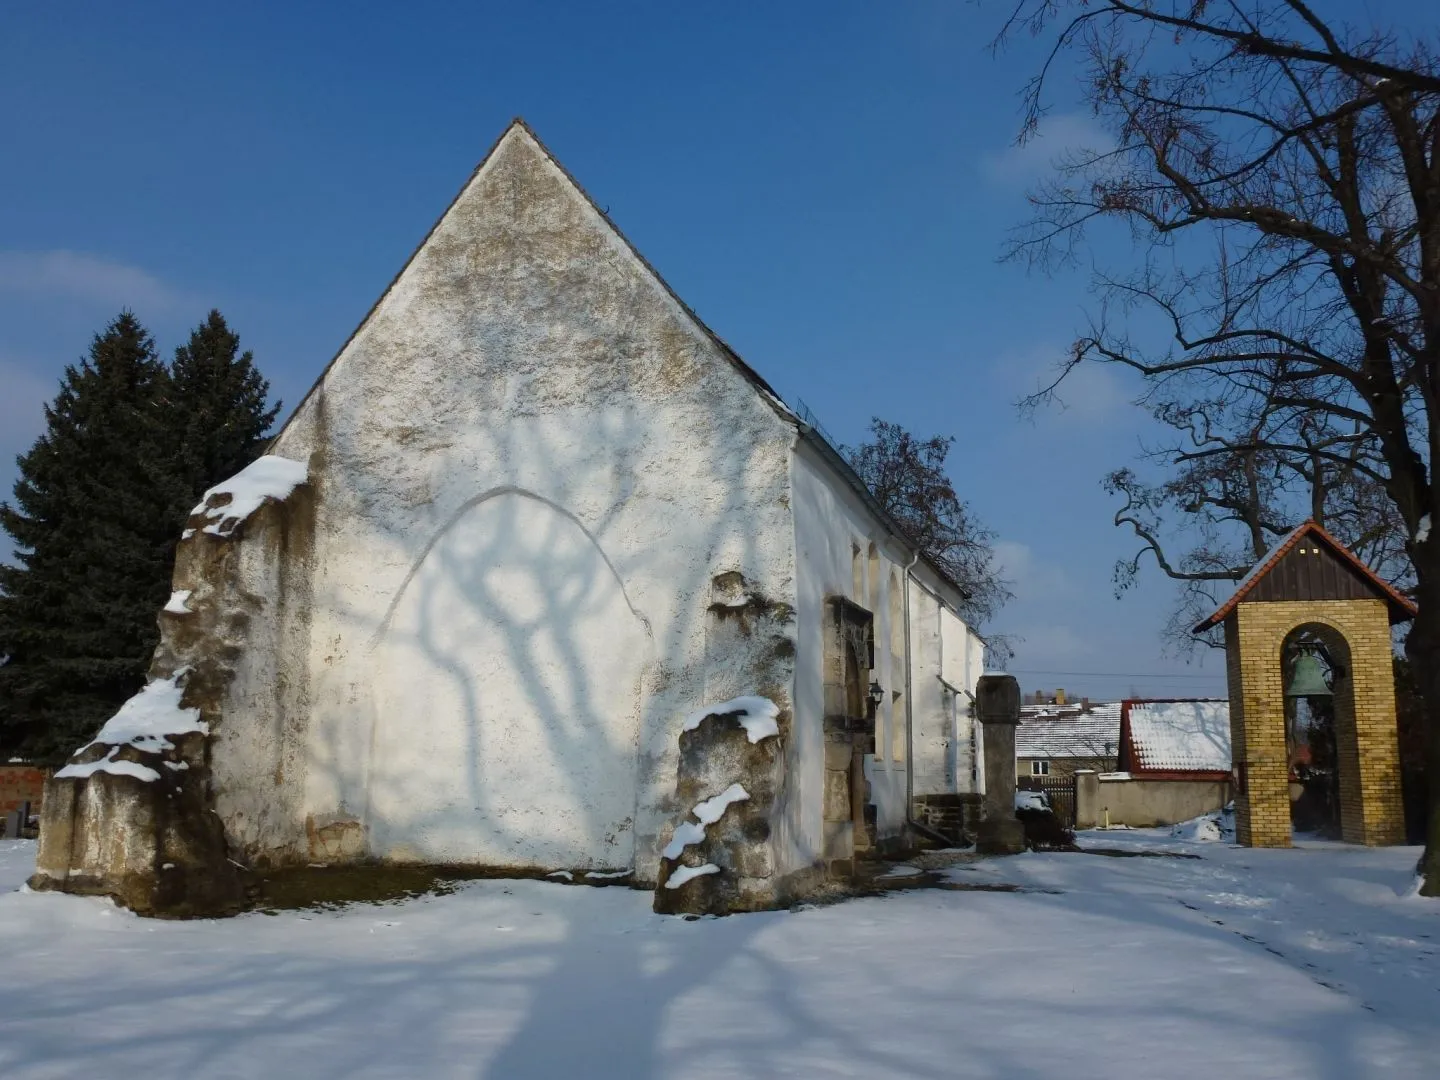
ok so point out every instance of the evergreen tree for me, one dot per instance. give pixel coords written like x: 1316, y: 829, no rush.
x: 93, y: 523
x: 218, y: 401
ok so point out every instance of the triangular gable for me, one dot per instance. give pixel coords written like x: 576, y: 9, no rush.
x: 518, y: 128
x: 1311, y: 539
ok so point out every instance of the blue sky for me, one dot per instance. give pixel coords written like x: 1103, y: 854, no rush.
x: 828, y: 185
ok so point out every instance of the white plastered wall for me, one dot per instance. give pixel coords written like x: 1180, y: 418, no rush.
x: 529, y: 462
x: 831, y: 523
x: 949, y: 658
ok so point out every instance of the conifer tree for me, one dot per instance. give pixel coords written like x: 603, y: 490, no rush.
x: 218, y: 401
x: 94, y: 528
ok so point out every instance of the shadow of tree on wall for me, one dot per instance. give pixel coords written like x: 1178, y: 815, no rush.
x: 513, y: 623
x: 532, y: 663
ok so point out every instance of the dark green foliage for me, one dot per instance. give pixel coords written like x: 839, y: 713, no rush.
x: 219, y: 403
x: 97, y: 511
x: 95, y: 537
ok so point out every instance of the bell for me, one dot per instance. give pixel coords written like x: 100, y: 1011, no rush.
x: 1307, y: 677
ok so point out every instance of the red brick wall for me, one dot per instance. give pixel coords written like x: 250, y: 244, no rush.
x: 19, y: 784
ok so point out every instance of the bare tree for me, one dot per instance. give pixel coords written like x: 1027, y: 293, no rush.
x: 1231, y: 493
x: 1280, y: 174
x: 907, y: 477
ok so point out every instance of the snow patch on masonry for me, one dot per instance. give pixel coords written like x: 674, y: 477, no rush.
x: 709, y: 811
x: 149, y: 717
x: 110, y: 765
x: 686, y: 833
x: 683, y: 874
x: 757, y: 715
x: 268, y: 477
x: 713, y: 809
x: 145, y: 722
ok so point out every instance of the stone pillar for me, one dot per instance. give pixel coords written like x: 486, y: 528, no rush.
x: 997, y: 701
x: 1087, y: 798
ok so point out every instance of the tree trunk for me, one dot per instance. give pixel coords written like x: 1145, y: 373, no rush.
x: 1422, y: 647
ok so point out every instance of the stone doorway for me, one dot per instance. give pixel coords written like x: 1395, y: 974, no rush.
x: 849, y: 814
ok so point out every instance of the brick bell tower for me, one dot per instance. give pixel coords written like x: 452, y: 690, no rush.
x: 1310, y: 591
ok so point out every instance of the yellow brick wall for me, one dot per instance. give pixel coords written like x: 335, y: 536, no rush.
x: 1237, y: 723
x: 1370, y: 807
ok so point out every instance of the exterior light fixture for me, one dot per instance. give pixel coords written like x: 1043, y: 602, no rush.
x: 877, y: 693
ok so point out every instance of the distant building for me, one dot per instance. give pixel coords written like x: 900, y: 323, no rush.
x: 1175, y: 740
x: 1174, y: 766
x: 1055, y: 738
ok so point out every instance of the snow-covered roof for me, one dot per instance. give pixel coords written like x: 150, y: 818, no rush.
x: 1179, y: 735
x: 1064, y: 731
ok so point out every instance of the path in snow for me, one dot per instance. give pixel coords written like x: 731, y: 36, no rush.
x: 1243, y: 963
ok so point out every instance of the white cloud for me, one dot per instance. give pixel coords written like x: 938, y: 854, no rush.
x: 1047, y: 600
x: 1054, y: 644
x: 1090, y: 392
x: 1059, y: 135
x: 1033, y: 580
x: 22, y: 406
x: 81, y: 276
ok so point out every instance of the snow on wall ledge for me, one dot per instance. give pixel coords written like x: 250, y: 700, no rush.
x: 755, y: 714
x: 147, y: 723
x: 135, y: 814
x: 128, y: 816
x: 226, y: 506
x: 731, y: 772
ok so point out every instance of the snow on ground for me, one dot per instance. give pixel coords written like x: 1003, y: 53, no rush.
x: 1255, y: 964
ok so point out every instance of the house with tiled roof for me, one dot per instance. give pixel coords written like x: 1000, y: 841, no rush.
x: 1175, y: 740
x: 1174, y: 764
x: 1059, y: 739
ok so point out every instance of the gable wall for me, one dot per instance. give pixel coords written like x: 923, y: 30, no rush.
x: 1310, y: 571
x: 526, y: 397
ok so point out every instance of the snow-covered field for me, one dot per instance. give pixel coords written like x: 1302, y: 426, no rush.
x: 1249, y: 964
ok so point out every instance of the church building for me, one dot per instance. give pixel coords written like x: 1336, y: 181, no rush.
x: 539, y: 575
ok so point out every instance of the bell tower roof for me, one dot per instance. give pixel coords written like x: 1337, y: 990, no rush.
x: 1310, y: 564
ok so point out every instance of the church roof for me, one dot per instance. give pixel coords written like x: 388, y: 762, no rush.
x: 519, y: 124
x: 1307, y: 563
